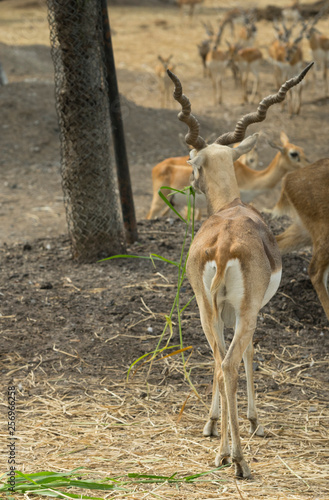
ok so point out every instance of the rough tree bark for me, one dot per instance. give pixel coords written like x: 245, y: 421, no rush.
x: 89, y: 181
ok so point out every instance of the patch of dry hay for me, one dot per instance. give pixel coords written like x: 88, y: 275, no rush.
x: 112, y: 428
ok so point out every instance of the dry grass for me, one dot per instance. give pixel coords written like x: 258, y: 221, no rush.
x: 112, y: 428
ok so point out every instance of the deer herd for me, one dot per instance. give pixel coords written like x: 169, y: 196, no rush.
x: 234, y: 263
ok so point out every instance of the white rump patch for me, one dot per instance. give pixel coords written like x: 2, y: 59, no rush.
x: 209, y: 273
x: 230, y: 293
x: 234, y: 284
x: 272, y: 287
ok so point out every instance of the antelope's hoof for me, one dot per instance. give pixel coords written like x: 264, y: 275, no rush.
x: 210, y: 429
x: 222, y: 459
x: 260, y: 431
x: 242, y: 470
x: 256, y: 429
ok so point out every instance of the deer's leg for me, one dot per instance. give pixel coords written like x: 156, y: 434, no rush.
x: 290, y: 101
x: 242, y: 338
x: 244, y: 86
x: 213, y: 329
x: 210, y: 429
x: 224, y: 450
x: 219, y: 84
x: 277, y: 76
x: 293, y: 238
x: 158, y: 206
x: 255, y: 87
x: 325, y: 75
x: 248, y: 356
x: 167, y: 99
x: 214, y: 87
x: 204, y: 66
x: 318, y: 272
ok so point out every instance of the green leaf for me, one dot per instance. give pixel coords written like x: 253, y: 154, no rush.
x: 167, y: 202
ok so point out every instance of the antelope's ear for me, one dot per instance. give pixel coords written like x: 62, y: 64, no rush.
x: 274, y: 145
x: 284, y: 138
x: 196, y: 162
x: 245, y: 146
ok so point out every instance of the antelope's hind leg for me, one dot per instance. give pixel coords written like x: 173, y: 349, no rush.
x: 242, y: 339
x: 213, y: 328
x: 255, y: 427
x: 318, y: 272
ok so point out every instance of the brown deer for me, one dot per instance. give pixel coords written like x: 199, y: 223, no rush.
x: 176, y: 173
x: 205, y: 45
x: 319, y: 45
x: 164, y: 82
x: 305, y: 198
x: 287, y: 58
x: 248, y: 61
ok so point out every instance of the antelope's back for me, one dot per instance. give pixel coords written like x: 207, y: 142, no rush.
x: 308, y: 190
x: 235, y: 232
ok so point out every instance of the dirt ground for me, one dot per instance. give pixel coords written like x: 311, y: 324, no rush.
x: 75, y: 328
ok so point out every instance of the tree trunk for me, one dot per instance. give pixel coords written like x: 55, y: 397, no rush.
x: 89, y: 181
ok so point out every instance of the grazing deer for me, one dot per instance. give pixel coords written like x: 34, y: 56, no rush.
x: 305, y: 197
x: 234, y: 267
x: 175, y: 172
x: 164, y: 82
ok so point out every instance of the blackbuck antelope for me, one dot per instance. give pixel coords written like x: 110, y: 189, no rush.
x: 287, y: 59
x: 205, y: 45
x: 248, y: 31
x: 305, y: 198
x: 319, y: 45
x: 253, y: 183
x: 242, y: 24
x: 175, y: 173
x: 164, y: 81
x: 248, y: 61
x: 234, y: 267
